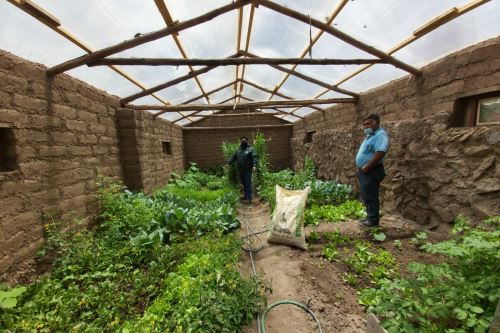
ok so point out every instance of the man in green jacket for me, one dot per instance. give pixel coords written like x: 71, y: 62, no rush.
x: 246, y: 162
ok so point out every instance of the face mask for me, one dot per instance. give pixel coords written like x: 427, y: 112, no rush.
x: 244, y: 144
x: 368, y: 131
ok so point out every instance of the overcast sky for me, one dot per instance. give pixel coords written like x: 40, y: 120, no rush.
x: 380, y: 23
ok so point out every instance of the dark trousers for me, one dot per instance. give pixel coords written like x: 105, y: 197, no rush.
x: 369, y: 185
x: 246, y: 180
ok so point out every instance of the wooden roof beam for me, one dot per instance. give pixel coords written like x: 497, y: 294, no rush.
x: 125, y: 45
x: 339, y: 34
x: 163, y: 9
x: 209, y: 92
x: 308, y: 78
x: 313, y: 41
x: 169, y: 83
x: 280, y: 104
x: 280, y: 95
x: 419, y: 32
x: 73, y: 39
x: 229, y: 61
x: 247, y: 42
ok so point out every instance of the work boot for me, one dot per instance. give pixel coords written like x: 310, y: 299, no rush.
x: 369, y: 224
x: 362, y: 220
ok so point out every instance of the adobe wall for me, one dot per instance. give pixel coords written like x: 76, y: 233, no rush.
x: 64, y: 132
x: 145, y: 165
x: 434, y: 171
x: 203, y: 146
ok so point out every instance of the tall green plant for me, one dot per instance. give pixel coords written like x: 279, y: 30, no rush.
x: 458, y: 295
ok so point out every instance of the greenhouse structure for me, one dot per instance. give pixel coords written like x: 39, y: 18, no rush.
x: 198, y: 166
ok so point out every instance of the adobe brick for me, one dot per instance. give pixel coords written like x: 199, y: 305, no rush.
x: 28, y: 251
x: 76, y: 125
x: 25, y: 152
x: 87, y: 116
x: 30, y: 102
x: 64, y: 111
x: 64, y: 137
x: 73, y: 190
x: 87, y: 139
x: 11, y: 205
x: 41, y: 168
x: 12, y: 83
x: 13, y: 116
x: 81, y: 151
x: 5, y: 99
x: 97, y: 128
x: 21, y: 222
x: 52, y: 151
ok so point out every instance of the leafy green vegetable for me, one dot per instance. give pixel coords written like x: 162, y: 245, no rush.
x: 349, y: 209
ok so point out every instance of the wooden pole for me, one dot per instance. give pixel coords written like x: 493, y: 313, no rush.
x: 173, y: 82
x: 125, y: 45
x: 308, y: 78
x: 203, y: 107
x: 229, y: 62
x: 339, y: 34
x: 208, y: 93
x: 236, y: 127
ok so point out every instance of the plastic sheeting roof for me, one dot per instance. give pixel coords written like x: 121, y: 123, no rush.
x: 379, y: 23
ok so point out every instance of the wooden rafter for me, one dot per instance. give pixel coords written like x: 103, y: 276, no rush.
x: 209, y: 92
x: 203, y: 107
x: 125, y: 45
x: 280, y: 95
x: 339, y: 34
x: 238, y: 45
x: 163, y: 9
x: 313, y: 41
x: 247, y: 43
x: 419, y: 32
x: 230, y: 61
x: 308, y: 78
x: 75, y: 40
x: 235, y: 127
x: 169, y: 83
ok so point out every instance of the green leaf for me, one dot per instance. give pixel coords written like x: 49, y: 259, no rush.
x: 380, y: 236
x: 8, y: 303
x: 476, y: 309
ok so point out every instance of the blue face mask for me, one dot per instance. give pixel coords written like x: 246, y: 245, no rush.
x: 368, y: 131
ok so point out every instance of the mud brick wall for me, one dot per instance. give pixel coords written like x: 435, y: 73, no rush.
x: 145, y: 165
x: 434, y: 171
x: 64, y: 132
x: 203, y: 146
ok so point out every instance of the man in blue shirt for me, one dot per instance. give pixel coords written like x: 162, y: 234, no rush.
x: 370, y: 165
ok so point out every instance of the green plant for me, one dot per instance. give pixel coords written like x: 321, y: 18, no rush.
x: 336, y: 238
x: 314, y: 237
x: 377, y: 234
x: 8, y: 298
x: 397, y: 244
x: 350, y: 209
x: 330, y: 252
x: 420, y: 239
x: 350, y: 279
x: 458, y: 295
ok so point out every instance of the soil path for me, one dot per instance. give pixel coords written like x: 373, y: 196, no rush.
x: 294, y: 274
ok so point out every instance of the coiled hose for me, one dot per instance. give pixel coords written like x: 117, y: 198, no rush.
x: 261, y: 318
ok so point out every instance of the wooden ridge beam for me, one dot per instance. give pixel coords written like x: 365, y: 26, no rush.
x: 308, y: 78
x: 339, y: 34
x: 229, y: 61
x: 186, y: 128
x: 280, y: 104
x: 125, y: 45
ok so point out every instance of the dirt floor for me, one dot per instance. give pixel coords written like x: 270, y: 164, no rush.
x: 306, y: 277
